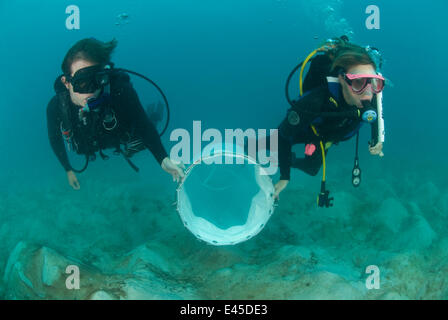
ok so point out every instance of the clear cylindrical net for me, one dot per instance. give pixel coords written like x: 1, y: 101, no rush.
x: 224, y: 202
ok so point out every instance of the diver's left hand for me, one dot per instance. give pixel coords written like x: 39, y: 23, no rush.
x: 377, y: 149
x: 176, y: 170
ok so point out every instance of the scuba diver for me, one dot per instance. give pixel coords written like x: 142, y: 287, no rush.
x: 96, y: 108
x: 341, y: 92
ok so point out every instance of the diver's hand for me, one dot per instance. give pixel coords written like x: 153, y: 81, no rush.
x: 377, y: 149
x: 279, y: 186
x: 176, y: 170
x: 72, y: 180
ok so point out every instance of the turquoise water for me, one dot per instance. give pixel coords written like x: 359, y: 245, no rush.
x: 225, y: 63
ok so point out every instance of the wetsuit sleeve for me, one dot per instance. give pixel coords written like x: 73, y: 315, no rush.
x: 137, y: 119
x: 54, y: 134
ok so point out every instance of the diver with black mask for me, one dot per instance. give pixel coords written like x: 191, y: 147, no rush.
x: 342, y: 91
x: 96, y: 108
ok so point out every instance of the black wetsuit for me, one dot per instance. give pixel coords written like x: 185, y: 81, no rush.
x: 132, y: 122
x: 331, y: 130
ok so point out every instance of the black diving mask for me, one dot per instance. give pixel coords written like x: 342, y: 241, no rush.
x: 90, y: 79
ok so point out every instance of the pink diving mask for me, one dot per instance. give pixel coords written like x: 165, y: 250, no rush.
x: 359, y: 82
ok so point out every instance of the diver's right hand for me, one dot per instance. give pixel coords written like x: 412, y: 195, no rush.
x: 72, y: 180
x: 175, y: 168
x: 279, y: 186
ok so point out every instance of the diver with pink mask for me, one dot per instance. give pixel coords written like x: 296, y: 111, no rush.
x: 341, y: 92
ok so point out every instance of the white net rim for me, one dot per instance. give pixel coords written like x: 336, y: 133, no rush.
x: 261, y: 209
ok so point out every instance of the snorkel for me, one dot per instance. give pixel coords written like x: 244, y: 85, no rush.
x: 377, y: 58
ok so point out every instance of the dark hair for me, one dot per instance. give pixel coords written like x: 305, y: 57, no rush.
x: 349, y: 55
x: 89, y: 49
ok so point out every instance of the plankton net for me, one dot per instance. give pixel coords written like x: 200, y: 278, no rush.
x: 225, y: 197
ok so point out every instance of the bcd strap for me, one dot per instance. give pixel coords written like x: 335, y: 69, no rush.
x: 334, y: 87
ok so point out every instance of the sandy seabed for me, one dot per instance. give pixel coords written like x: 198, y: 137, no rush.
x: 128, y: 241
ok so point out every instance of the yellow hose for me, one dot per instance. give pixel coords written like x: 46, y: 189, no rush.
x: 303, y: 68
x: 323, y: 154
x: 323, y: 48
x: 323, y: 160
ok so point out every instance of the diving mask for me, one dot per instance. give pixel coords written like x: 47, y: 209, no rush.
x: 359, y: 82
x: 90, y: 79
